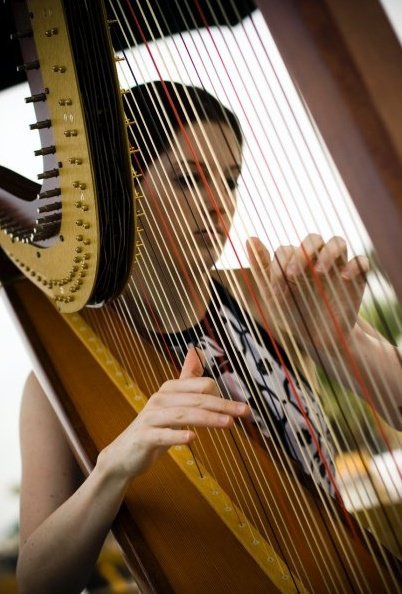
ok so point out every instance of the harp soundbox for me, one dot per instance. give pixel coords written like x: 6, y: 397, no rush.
x: 188, y: 524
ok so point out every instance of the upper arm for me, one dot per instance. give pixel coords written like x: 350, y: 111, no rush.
x: 50, y: 473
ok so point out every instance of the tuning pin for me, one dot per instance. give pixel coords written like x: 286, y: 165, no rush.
x: 47, y: 150
x: 36, y: 98
x: 80, y: 185
x: 49, y: 219
x: 34, y: 65
x: 49, y: 207
x: 21, y: 34
x: 23, y: 235
x: 50, y: 193
x: 42, y: 234
x: 40, y: 125
x: 48, y: 174
x: 51, y: 32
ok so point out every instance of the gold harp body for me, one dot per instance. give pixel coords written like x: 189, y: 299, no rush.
x: 183, y: 531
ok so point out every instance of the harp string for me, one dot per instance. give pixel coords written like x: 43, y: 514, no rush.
x: 187, y: 50
x: 181, y: 35
x: 330, y: 171
x: 284, y: 97
x: 392, y: 531
x: 317, y: 169
x: 340, y: 336
x: 236, y: 473
x: 314, y: 438
x: 367, y: 370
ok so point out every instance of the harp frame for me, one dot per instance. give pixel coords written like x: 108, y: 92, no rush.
x: 353, y: 89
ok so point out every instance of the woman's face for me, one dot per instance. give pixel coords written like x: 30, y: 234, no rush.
x: 190, y: 197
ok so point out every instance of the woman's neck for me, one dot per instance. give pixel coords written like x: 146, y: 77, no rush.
x: 168, y: 305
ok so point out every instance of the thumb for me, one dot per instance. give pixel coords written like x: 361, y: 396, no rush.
x: 194, y: 363
x: 259, y: 258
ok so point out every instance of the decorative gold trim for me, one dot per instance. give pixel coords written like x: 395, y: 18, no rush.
x: 58, y: 270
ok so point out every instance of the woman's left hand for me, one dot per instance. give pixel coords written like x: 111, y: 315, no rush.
x: 312, y: 291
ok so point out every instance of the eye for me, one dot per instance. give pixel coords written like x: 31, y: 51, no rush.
x: 185, y: 181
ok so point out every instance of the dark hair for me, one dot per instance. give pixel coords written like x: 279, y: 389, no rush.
x: 154, y: 105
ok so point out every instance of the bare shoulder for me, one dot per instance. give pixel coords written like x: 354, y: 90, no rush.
x: 50, y: 473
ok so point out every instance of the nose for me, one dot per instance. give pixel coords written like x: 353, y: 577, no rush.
x: 220, y: 200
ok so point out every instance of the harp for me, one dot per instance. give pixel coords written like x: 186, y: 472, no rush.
x: 184, y: 526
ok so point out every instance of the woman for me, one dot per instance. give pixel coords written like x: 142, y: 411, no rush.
x: 190, y: 162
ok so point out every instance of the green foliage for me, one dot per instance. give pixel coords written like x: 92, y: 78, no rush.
x: 385, y: 317
x: 352, y: 420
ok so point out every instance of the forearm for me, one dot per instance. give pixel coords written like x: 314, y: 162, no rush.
x: 372, y: 367
x: 60, y: 555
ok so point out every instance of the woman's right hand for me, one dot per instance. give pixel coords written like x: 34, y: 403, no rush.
x: 191, y: 400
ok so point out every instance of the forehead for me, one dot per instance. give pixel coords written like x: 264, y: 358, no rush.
x: 207, y: 141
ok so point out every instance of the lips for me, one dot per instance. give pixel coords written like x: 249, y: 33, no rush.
x: 211, y: 232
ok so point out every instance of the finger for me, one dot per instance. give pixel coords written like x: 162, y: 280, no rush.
x: 259, y: 259
x: 334, y: 253
x: 200, y: 385
x: 356, y: 269
x: 282, y: 257
x: 185, y: 415
x: 202, y: 401
x: 305, y: 255
x: 194, y: 363
x: 166, y: 437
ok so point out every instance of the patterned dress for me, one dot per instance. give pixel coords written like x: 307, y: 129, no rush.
x: 247, y: 368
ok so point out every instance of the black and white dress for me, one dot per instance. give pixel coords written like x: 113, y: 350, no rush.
x: 247, y: 367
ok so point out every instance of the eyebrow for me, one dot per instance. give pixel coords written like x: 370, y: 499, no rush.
x: 235, y: 167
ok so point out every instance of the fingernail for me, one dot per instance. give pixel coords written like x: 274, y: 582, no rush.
x: 224, y: 420
x: 320, y: 268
